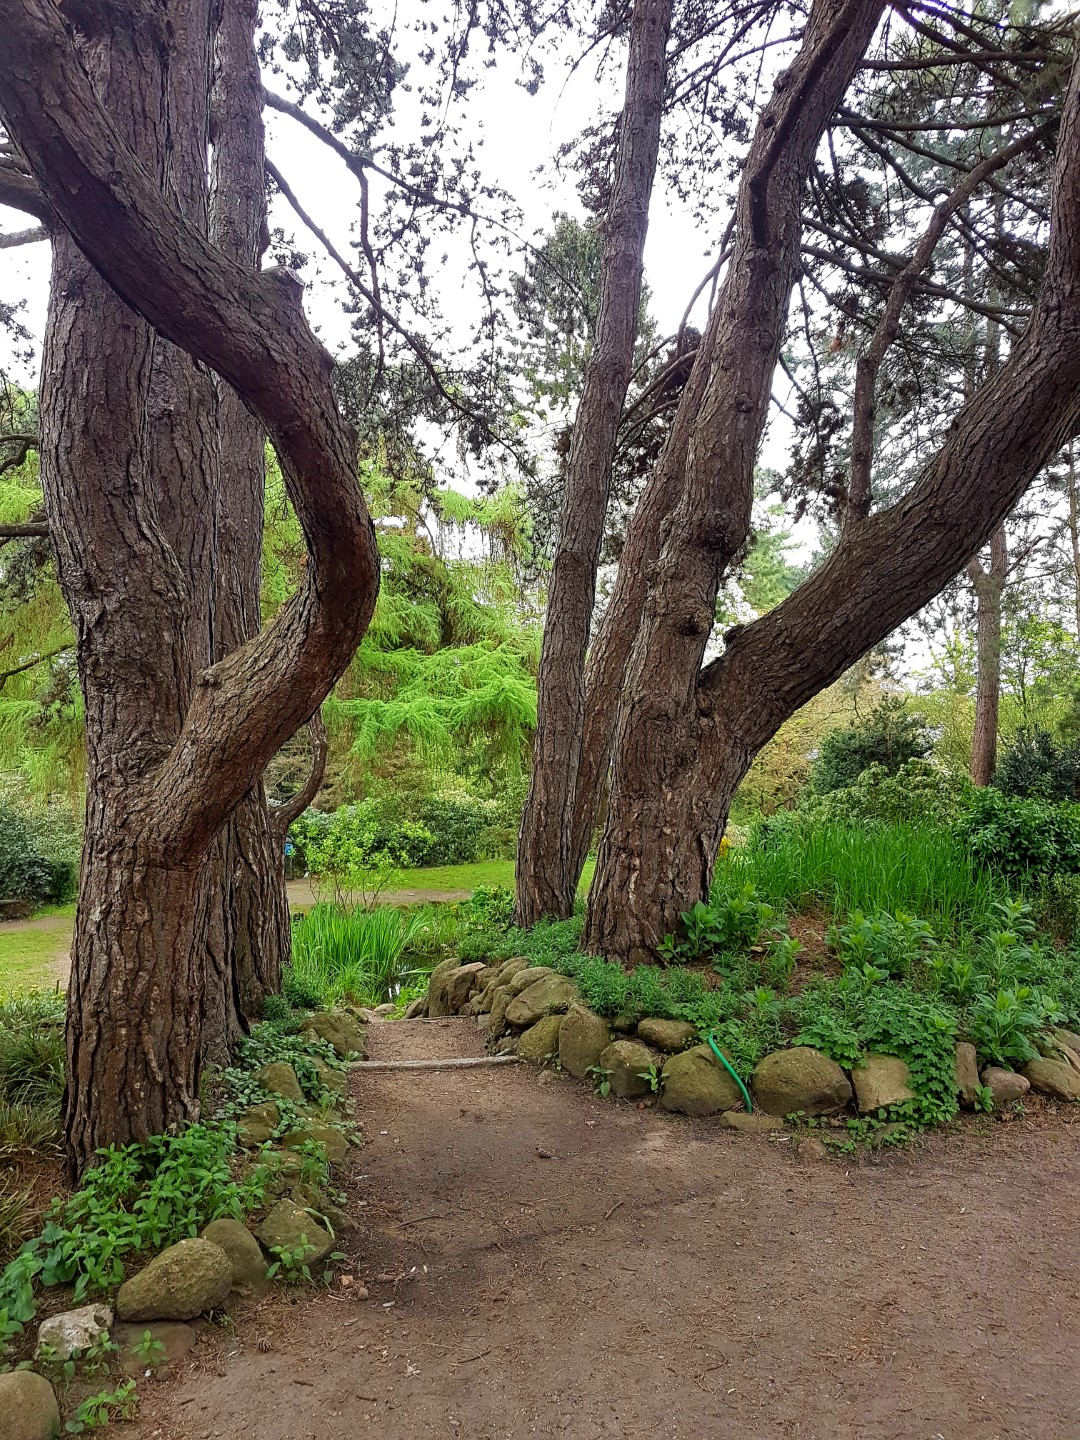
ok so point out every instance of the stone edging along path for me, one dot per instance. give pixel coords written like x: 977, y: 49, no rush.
x: 537, y: 1014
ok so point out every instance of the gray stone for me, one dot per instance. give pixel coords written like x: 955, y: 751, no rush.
x: 540, y: 1042
x: 881, y: 1081
x: 811, y: 1149
x: 287, y: 1226
x: 385, y: 1010
x: 1067, y: 1037
x: 509, y: 968
x: 280, y: 1079
x: 332, y: 1141
x: 336, y: 1081
x: 416, y: 1008
x: 340, y: 1030
x: 185, y: 1280
x: 967, y: 1074
x: 522, y: 979
x: 74, y: 1330
x: 695, y: 1083
x: 553, y: 995
x: 496, y: 1017
x: 28, y: 1408
x: 753, y: 1124
x: 671, y: 1036
x: 800, y: 1079
x: 1005, y: 1086
x: 583, y: 1038
x: 249, y: 1278
x: 625, y: 1023
x: 256, y: 1126
x: 475, y: 1005
x: 176, y: 1339
x: 627, y: 1065
x: 1055, y: 1078
x: 450, y: 991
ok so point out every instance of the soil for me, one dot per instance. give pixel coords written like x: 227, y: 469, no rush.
x: 541, y: 1262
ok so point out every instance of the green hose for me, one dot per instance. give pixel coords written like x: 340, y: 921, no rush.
x: 723, y: 1061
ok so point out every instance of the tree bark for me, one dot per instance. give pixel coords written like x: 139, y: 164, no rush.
x: 545, y: 882
x: 168, y: 759
x: 659, y: 839
x: 659, y: 847
x: 989, y: 586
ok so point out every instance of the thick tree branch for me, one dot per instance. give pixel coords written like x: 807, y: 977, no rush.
x: 250, y: 328
x: 24, y: 531
x: 283, y: 815
x: 5, y: 675
x: 19, y: 190
x: 15, y: 238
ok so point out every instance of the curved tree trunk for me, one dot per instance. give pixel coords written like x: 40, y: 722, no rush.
x: 686, y: 737
x: 545, y: 882
x: 173, y: 746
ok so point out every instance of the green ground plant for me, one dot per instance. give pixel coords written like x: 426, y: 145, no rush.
x: 352, y: 953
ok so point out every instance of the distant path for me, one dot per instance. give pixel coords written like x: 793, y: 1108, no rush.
x: 542, y: 1264
x: 57, y: 963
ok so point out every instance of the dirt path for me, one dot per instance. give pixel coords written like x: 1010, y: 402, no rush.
x: 544, y: 1263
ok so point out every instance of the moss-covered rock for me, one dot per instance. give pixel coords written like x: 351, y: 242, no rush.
x: 881, y: 1081
x: 627, y: 1064
x: 1055, y: 1078
x: 551, y: 995
x: 336, y: 1081
x: 671, y: 1036
x: 28, y: 1408
x: 185, y: 1280
x: 340, y: 1030
x: 800, y: 1079
x: 967, y: 1074
x: 522, y: 979
x: 333, y: 1141
x: 583, y: 1038
x: 695, y: 1083
x: 280, y: 1079
x: 541, y: 1041
x: 753, y: 1124
x: 249, y: 1277
x: 288, y: 1226
x: 451, y: 987
x: 496, y: 1016
x: 256, y: 1125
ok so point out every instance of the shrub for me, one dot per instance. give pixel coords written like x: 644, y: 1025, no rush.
x: 890, y: 943
x: 26, y: 873
x: 919, y: 793
x: 1021, y: 838
x: 1036, y: 766
x: 889, y: 736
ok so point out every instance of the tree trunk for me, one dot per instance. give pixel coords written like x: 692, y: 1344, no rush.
x: 989, y: 586
x: 647, y: 852
x: 173, y: 747
x: 682, y: 749
x: 545, y: 882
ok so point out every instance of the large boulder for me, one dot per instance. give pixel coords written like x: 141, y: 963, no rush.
x: 449, y: 991
x: 1005, y: 1086
x: 522, y: 979
x: 800, y: 1079
x: 340, y: 1030
x: 61, y: 1335
x: 28, y: 1408
x: 249, y: 1278
x: 967, y: 1074
x: 257, y: 1124
x: 280, y: 1079
x: 881, y: 1081
x: 1055, y: 1078
x: 695, y: 1083
x: 288, y: 1227
x: 335, y: 1081
x: 541, y: 1041
x: 314, y: 1131
x: 583, y: 1038
x: 626, y: 1064
x: 553, y: 995
x: 185, y: 1280
x: 671, y: 1036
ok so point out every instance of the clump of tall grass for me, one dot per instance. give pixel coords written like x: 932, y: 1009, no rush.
x: 355, y: 954
x: 31, y: 1073
x: 923, y: 870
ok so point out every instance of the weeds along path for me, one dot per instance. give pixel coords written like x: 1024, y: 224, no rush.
x: 544, y: 1263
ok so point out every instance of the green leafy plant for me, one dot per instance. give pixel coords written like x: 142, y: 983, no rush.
x: 148, y: 1351
x: 602, y: 1079
x: 890, y: 943
x: 97, y: 1411
x: 1003, y: 1026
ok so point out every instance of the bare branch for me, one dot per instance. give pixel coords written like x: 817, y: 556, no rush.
x: 5, y: 675
x: 23, y: 237
x: 283, y: 815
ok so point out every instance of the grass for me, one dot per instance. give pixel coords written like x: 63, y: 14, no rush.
x: 924, y: 871
x: 357, y: 955
x: 29, y: 959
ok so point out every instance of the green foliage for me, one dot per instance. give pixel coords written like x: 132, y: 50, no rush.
x: 97, y: 1411
x: 31, y: 1073
x: 26, y: 871
x: 918, y: 793
x: 890, y: 943
x: 351, y: 954
x: 794, y: 861
x: 1039, y: 767
x: 889, y: 736
x: 1004, y: 1026
x: 729, y: 924
x: 1021, y: 839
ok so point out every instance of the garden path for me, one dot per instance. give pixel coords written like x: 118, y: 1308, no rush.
x: 545, y: 1263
